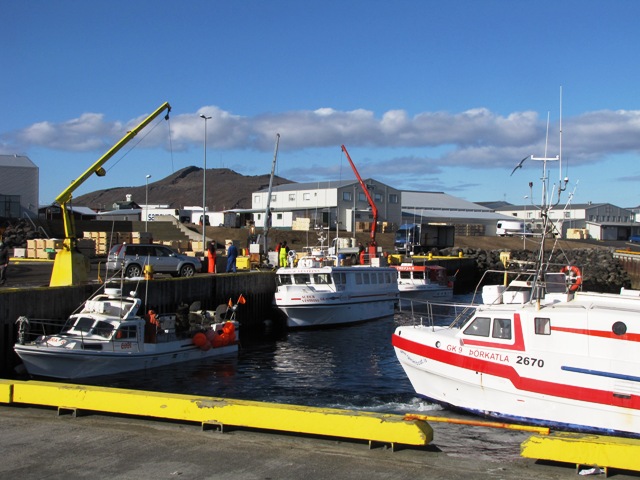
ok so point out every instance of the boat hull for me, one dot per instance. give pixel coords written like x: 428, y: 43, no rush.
x: 516, y: 385
x: 301, y: 316
x: 72, y: 364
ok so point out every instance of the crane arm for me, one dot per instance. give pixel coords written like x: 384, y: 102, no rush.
x: 65, y: 196
x: 267, y: 214
x: 374, y: 209
x: 96, y: 168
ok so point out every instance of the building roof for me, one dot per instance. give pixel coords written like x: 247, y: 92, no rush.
x: 412, y: 200
x: 451, y: 215
x: 16, y: 161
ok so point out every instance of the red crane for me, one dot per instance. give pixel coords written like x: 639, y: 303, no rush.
x: 372, y: 244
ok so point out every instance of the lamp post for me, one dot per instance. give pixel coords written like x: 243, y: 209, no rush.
x: 146, y: 203
x: 204, y: 186
x: 524, y: 223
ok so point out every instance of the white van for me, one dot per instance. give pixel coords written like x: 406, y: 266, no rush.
x: 508, y: 228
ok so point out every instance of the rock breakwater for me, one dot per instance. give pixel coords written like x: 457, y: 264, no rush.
x: 601, y: 272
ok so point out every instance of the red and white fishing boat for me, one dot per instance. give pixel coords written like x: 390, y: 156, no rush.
x: 421, y: 283
x: 539, y: 351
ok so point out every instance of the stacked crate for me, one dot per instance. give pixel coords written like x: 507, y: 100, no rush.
x: 301, y: 224
x: 141, y: 237
x: 180, y: 246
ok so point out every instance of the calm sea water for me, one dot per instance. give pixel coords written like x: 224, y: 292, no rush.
x: 351, y: 367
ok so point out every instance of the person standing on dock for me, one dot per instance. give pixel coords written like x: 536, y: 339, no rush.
x: 232, y: 254
x: 211, y: 260
x: 282, y: 254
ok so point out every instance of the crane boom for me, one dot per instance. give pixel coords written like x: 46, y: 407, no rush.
x: 374, y: 209
x: 267, y: 214
x: 70, y: 265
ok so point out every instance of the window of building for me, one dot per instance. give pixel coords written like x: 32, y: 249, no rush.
x: 278, y: 216
x: 256, y: 199
x: 362, y: 197
x: 378, y: 198
x: 292, y: 197
x: 393, y: 198
x: 273, y: 197
x: 306, y: 197
x: 346, y: 196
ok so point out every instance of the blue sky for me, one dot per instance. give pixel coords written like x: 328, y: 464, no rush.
x: 436, y: 96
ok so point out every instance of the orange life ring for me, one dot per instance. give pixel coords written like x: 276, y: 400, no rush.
x: 575, y: 275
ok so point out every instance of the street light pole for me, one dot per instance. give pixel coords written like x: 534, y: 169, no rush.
x: 204, y: 186
x: 524, y: 223
x: 146, y: 203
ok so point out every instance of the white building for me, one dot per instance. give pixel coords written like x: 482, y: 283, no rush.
x: 599, y: 221
x: 19, y: 186
x: 325, y: 203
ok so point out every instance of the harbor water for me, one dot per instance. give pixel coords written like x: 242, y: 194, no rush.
x: 352, y: 367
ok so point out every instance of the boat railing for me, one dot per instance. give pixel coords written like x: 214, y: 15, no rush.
x: 29, y: 329
x: 432, y: 314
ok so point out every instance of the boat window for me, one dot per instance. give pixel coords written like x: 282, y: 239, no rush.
x: 83, y: 324
x: 322, y: 278
x: 501, y: 328
x: 418, y: 275
x: 358, y: 278
x: 543, y: 326
x: 103, y: 329
x: 374, y: 278
x: 405, y: 275
x: 284, y: 279
x: 479, y: 327
x: 367, y: 280
x: 301, y: 279
x: 126, y: 331
x: 380, y: 277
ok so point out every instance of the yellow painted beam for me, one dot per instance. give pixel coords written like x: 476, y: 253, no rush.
x: 580, y: 449
x: 374, y: 427
x: 6, y: 391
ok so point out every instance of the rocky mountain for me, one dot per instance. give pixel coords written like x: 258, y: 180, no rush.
x: 225, y: 189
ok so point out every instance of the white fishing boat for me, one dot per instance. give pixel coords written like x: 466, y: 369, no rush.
x: 420, y: 283
x: 109, y: 336
x: 313, y: 294
x: 539, y: 350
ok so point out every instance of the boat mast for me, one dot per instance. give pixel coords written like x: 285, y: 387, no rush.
x: 267, y: 214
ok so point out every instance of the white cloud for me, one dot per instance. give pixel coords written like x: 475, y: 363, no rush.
x: 476, y: 137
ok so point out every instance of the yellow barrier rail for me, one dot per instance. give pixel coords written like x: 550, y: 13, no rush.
x: 219, y: 412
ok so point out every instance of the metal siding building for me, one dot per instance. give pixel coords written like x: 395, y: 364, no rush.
x: 19, y: 186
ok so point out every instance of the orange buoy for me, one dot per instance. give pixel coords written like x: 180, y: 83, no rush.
x: 199, y: 339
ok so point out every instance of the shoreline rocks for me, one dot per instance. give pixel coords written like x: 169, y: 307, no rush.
x: 601, y: 272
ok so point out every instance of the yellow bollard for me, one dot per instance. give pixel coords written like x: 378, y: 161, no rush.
x: 148, y: 272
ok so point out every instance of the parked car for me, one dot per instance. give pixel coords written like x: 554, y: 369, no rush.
x: 132, y: 258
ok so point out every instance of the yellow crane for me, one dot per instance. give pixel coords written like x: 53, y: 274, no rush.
x: 70, y: 266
